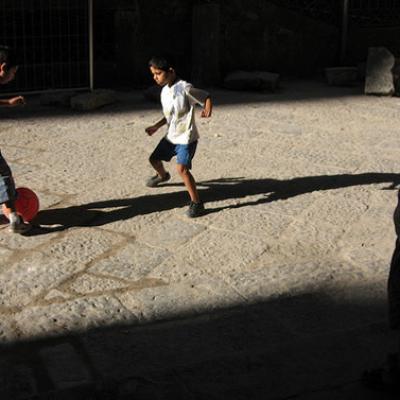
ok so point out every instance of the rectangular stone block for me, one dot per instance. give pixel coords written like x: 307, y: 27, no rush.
x: 56, y: 99
x: 91, y: 101
x: 341, y: 76
x: 379, y: 77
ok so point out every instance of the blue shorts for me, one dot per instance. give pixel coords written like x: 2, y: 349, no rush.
x: 7, y: 186
x: 184, y: 153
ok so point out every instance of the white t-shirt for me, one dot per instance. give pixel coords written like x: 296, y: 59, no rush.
x: 178, y: 103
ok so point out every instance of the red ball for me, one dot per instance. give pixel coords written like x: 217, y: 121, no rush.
x: 26, y: 204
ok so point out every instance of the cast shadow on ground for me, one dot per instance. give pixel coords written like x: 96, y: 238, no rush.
x: 308, y: 346
x: 104, y: 212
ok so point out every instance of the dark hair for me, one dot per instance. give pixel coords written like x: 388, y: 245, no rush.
x: 7, y: 56
x: 162, y: 62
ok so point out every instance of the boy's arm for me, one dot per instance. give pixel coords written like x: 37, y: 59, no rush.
x: 197, y: 96
x: 13, y: 101
x: 153, y: 128
x: 207, y: 109
x: 201, y: 97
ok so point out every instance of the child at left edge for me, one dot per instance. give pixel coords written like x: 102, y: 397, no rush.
x: 178, y: 99
x: 7, y: 185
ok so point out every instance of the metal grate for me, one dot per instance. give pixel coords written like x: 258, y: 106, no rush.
x: 375, y: 13
x: 51, y: 40
x: 367, y: 13
x: 324, y: 10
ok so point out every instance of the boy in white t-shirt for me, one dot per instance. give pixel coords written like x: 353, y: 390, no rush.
x: 178, y: 99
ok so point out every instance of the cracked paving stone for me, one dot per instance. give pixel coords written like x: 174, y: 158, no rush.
x: 180, y: 299
x: 24, y: 282
x: 7, y: 331
x: 133, y: 262
x: 170, y: 233
x: 73, y: 316
x: 82, y: 245
x: 222, y: 253
x: 87, y: 284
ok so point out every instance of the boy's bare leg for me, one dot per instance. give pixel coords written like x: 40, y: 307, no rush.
x: 9, y: 207
x: 189, y: 182
x: 159, y: 167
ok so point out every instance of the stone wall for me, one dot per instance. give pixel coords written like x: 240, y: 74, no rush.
x: 361, y: 38
x: 259, y: 35
x: 139, y: 30
x: 253, y: 35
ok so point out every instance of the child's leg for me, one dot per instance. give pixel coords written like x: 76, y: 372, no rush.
x: 184, y: 155
x: 7, y: 198
x: 159, y: 167
x: 162, y: 174
x: 189, y: 182
x: 9, y: 207
x: 11, y: 212
x: 7, y: 188
x: 163, y: 151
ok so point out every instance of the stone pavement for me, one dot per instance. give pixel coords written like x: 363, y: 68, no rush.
x: 277, y: 292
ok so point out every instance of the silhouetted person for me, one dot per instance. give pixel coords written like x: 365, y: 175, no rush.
x: 387, y: 378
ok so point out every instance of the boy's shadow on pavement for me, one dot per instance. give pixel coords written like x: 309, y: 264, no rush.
x: 99, y: 213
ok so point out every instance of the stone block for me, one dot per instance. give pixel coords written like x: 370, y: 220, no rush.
x: 269, y: 80
x: 255, y: 80
x: 91, y: 101
x: 379, y: 75
x: 241, y: 80
x: 341, y: 76
x: 57, y: 99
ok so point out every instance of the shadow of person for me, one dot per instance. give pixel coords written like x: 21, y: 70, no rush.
x: 104, y: 212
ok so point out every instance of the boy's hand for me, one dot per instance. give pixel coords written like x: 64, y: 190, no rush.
x: 207, y: 110
x: 16, y: 101
x: 7, y: 75
x: 151, y: 130
x: 154, y: 128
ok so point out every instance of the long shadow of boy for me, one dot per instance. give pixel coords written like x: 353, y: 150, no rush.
x: 99, y: 213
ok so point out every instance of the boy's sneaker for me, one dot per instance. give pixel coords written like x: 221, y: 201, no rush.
x: 19, y: 226
x: 157, y: 179
x: 195, y: 210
